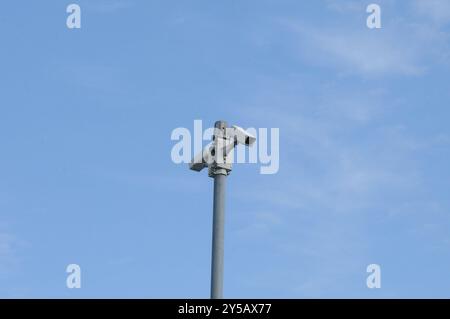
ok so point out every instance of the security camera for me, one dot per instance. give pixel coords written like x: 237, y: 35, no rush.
x: 242, y: 136
x: 202, y: 159
x: 214, y: 155
x: 198, y: 163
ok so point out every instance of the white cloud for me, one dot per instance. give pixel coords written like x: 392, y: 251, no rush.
x: 403, y: 46
x: 437, y: 10
x: 345, y: 6
x: 361, y: 51
x: 5, y: 244
x: 347, y: 166
x: 344, y: 168
x: 109, y: 6
x: 343, y: 176
x: 7, y: 252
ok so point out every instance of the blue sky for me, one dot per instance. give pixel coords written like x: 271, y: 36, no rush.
x: 86, y: 175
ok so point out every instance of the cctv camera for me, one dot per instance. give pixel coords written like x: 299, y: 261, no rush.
x: 197, y: 163
x: 202, y: 159
x: 242, y: 136
x: 215, y: 154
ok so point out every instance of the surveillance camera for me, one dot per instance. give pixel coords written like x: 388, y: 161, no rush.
x: 202, y: 159
x: 216, y: 154
x: 242, y: 136
x: 197, y: 163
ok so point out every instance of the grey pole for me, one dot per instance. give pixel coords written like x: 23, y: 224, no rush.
x: 218, y: 237
x: 224, y: 140
x: 219, y: 173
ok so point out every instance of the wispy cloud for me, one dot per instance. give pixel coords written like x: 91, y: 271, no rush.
x: 7, y: 252
x: 404, y: 46
x: 358, y: 51
x: 345, y: 6
x: 343, y: 167
x: 351, y: 157
x: 88, y: 75
x: 108, y: 6
x: 437, y: 10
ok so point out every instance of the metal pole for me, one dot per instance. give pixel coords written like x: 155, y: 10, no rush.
x: 218, y: 237
x: 220, y: 174
x: 219, y: 169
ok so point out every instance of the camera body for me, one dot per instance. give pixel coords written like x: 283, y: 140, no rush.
x: 224, y: 140
x: 242, y: 136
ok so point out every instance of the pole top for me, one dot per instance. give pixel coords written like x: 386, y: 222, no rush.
x: 221, y: 167
x: 221, y: 125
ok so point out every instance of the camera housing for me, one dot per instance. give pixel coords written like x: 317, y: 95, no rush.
x: 242, y: 136
x: 224, y: 138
